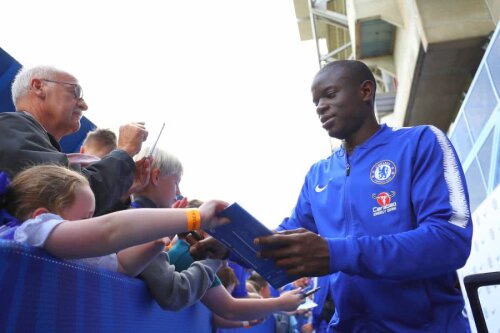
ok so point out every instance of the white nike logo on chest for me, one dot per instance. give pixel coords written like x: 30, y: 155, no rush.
x: 320, y: 189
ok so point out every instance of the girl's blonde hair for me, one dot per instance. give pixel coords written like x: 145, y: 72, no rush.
x: 49, y: 186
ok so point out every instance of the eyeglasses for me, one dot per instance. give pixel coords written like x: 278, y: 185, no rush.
x: 77, y: 89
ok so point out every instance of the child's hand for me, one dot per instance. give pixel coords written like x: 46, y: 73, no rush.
x: 165, y: 240
x: 248, y: 324
x: 290, y: 300
x: 208, y: 213
x: 162, y: 242
x: 208, y: 248
x: 182, y: 203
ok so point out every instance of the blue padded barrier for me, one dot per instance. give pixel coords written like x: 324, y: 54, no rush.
x: 39, y: 293
x: 268, y: 326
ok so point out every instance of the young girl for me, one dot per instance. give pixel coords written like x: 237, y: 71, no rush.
x: 55, y: 207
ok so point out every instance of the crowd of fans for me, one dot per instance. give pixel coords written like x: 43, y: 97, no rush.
x: 89, y: 207
x: 366, y: 220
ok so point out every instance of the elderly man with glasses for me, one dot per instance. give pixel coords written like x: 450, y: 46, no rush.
x: 49, y: 104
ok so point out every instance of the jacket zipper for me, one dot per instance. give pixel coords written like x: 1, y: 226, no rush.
x: 347, y: 196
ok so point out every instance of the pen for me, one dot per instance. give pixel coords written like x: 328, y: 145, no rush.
x: 154, y: 144
x: 310, y: 292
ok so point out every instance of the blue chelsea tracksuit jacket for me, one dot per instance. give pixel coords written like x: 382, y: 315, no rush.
x: 396, y: 217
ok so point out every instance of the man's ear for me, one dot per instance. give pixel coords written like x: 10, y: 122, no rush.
x: 82, y: 149
x: 38, y: 87
x: 39, y: 211
x: 367, y: 90
x: 155, y: 176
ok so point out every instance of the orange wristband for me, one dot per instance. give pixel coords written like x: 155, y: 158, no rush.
x: 193, y: 219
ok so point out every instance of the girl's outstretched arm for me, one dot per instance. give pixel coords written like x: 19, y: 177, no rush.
x: 113, y: 232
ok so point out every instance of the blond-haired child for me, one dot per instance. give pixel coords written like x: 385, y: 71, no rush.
x: 56, y: 204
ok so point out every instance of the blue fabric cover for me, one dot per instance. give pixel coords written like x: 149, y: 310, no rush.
x: 8, y: 70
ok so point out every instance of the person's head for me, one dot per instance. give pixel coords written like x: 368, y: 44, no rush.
x: 166, y: 173
x: 228, y: 278
x: 52, y: 96
x: 195, y: 203
x: 260, y: 284
x: 50, y: 189
x: 99, y: 142
x: 344, y: 94
x: 252, y: 289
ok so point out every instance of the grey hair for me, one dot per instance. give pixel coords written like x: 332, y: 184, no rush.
x: 166, y: 162
x: 22, y: 81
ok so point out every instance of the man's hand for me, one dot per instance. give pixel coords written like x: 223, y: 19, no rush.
x: 303, y: 282
x: 131, y: 137
x: 300, y: 252
x: 208, y: 248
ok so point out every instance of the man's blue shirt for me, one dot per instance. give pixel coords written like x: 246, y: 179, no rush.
x: 395, y: 213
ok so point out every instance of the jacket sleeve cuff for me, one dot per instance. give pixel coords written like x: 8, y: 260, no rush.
x: 341, y: 251
x: 122, y: 154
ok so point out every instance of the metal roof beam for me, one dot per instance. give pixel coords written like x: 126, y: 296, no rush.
x: 336, y: 51
x: 314, y: 30
x: 331, y: 17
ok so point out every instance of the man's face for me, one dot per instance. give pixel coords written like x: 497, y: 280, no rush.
x: 339, y: 103
x: 62, y: 108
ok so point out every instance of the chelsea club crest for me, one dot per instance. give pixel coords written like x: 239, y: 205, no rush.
x: 383, y: 172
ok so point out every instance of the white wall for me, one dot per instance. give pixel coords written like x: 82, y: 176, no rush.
x: 485, y: 257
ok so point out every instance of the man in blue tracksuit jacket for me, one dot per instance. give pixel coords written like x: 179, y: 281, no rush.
x: 387, y: 215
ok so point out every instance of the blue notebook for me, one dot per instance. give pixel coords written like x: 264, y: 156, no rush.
x: 238, y: 236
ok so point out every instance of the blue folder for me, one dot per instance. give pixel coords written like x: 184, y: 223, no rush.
x: 238, y: 236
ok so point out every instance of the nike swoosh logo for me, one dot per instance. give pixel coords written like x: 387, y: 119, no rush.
x: 320, y: 189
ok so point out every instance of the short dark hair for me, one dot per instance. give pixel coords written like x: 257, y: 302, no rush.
x: 257, y: 280
x: 227, y: 277
x: 357, y: 70
x: 101, y: 137
x: 194, y: 203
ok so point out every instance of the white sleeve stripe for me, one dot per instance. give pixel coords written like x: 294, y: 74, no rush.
x: 460, y: 212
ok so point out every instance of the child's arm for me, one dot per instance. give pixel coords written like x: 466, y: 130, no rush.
x: 177, y: 290
x: 219, y: 301
x: 133, y: 260
x: 119, y: 230
x: 220, y: 322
